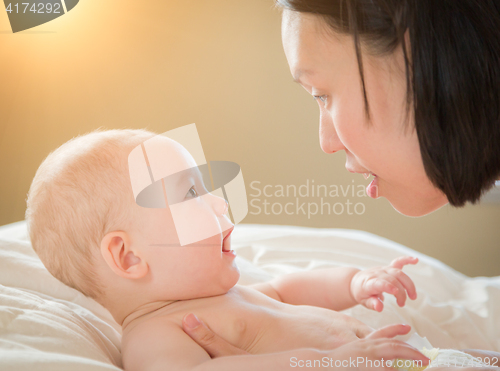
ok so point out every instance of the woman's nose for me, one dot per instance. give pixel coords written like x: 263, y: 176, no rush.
x: 328, y: 138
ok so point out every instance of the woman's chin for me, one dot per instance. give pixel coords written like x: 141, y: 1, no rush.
x: 415, y: 207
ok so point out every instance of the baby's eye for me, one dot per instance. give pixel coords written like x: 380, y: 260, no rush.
x: 322, y: 98
x: 192, y: 193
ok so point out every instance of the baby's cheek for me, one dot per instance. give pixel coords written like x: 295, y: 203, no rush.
x: 156, y: 226
x: 195, y: 221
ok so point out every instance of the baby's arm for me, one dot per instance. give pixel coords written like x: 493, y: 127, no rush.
x: 326, y: 288
x: 343, y: 287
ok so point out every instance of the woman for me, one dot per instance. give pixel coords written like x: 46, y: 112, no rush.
x: 410, y: 90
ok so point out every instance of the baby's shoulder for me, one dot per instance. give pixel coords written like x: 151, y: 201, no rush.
x: 157, y: 340
x: 146, y: 324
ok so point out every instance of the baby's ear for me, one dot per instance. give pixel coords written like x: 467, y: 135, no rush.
x: 121, y: 257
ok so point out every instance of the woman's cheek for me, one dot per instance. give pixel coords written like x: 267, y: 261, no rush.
x: 345, y: 126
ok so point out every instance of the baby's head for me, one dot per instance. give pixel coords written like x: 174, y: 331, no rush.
x: 90, y: 233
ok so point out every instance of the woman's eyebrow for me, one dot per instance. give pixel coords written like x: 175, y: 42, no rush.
x: 299, y: 73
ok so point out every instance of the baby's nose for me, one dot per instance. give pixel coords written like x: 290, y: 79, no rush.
x: 220, y: 206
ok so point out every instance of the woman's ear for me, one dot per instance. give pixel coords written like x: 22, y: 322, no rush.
x: 121, y: 257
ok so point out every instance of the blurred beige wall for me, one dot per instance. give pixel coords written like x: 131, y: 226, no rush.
x: 219, y: 64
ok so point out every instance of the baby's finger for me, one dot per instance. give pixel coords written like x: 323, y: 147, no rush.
x: 386, y: 283
x: 376, y: 286
x: 396, y: 289
x: 406, y: 281
x: 390, y: 331
x: 402, y: 261
x: 374, y: 302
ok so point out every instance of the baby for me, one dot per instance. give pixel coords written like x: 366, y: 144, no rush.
x: 89, y: 232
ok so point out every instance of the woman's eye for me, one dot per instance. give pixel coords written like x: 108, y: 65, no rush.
x: 192, y: 193
x: 322, y: 98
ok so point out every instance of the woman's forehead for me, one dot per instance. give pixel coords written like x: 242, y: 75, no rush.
x: 311, y: 51
x: 310, y: 44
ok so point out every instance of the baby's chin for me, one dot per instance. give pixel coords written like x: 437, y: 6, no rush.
x: 226, y: 283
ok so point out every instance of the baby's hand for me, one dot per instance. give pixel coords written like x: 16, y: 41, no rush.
x: 367, y: 286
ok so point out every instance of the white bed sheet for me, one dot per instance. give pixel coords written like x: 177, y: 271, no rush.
x: 49, y: 326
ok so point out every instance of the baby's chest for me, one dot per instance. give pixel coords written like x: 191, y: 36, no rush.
x: 244, y: 325
x: 258, y: 326
x: 265, y: 330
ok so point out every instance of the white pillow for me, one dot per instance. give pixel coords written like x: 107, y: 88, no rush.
x: 44, y: 323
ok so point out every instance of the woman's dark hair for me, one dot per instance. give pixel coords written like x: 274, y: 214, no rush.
x: 452, y: 74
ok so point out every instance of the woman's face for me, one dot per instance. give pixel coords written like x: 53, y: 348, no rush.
x: 325, y: 64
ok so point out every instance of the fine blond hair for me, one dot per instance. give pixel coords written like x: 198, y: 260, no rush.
x: 80, y: 192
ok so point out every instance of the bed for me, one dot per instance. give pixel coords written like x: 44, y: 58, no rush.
x: 47, y: 325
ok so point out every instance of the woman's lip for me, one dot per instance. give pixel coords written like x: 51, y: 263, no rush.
x: 372, y: 188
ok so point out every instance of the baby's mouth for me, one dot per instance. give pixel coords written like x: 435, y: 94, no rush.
x: 226, y: 242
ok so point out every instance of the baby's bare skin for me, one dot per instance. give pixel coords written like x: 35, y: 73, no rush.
x: 294, y: 315
x: 256, y: 323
